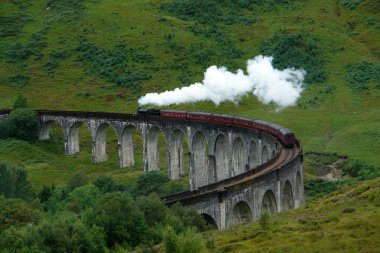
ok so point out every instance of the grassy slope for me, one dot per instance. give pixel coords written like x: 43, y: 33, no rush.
x: 346, y: 221
x: 345, y: 122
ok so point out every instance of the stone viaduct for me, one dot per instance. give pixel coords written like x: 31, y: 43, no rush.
x: 235, y: 173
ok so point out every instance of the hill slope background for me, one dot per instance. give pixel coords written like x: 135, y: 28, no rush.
x: 102, y: 55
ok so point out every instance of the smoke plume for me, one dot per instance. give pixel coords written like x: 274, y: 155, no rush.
x: 282, y: 87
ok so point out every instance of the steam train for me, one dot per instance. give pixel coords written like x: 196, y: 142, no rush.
x: 281, y: 133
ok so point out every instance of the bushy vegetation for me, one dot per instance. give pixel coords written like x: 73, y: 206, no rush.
x: 362, y: 75
x: 12, y: 25
x: 19, y: 80
x: 352, y: 4
x: 316, y: 188
x: 89, y: 217
x: 361, y: 170
x: 14, y: 183
x: 21, y: 124
x: 69, y: 10
x: 209, y: 12
x: 356, y: 170
x: 113, y: 64
x: 296, y: 51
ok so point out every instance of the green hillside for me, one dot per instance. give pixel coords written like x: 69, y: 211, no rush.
x: 346, y: 221
x: 103, y: 55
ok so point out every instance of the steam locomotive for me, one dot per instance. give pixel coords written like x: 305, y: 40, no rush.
x: 281, y: 133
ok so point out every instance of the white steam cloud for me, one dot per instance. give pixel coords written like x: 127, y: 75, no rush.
x: 282, y: 87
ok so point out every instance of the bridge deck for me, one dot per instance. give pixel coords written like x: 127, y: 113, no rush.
x: 284, y: 157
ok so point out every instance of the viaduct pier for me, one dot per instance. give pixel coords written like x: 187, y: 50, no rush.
x: 238, y: 167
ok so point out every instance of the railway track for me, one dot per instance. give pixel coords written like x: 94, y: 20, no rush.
x: 284, y: 157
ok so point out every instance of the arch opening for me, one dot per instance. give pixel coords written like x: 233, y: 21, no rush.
x: 287, y: 201
x: 54, y: 134
x: 242, y: 213
x: 210, y: 221
x: 155, y: 149
x: 269, y: 203
x: 179, y: 155
x: 202, y: 174
x: 238, y: 156
x: 265, y: 154
x: 221, y: 158
x: 253, y: 155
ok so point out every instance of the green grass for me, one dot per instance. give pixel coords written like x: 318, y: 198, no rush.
x: 347, y: 220
x: 331, y: 117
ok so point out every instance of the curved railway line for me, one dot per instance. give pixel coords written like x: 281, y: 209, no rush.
x: 285, y: 156
x: 238, y: 167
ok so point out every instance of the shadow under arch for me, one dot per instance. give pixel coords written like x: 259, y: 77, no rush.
x: 242, y: 213
x: 155, y: 149
x: 221, y: 157
x: 238, y: 156
x: 179, y: 162
x: 269, y: 203
x: 287, y: 201
x: 202, y: 174
x: 253, y: 157
x: 210, y: 221
x: 53, y: 133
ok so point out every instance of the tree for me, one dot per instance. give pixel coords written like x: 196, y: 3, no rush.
x: 77, y: 180
x: 150, y: 182
x: 83, y: 197
x: 189, y: 217
x: 4, y: 130
x: 22, y: 187
x: 6, y: 181
x: 154, y: 209
x: 21, y: 102
x: 121, y: 220
x: 15, y: 212
x: 23, y: 124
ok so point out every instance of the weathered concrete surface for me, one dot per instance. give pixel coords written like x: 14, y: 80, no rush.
x: 276, y: 191
x: 216, y: 152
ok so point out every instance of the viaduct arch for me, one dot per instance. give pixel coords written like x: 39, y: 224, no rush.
x: 235, y: 172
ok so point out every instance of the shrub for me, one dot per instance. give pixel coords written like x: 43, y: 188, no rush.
x: 190, y: 242
x: 77, y: 180
x: 14, y: 183
x: 189, y: 217
x: 4, y: 130
x: 112, y: 64
x: 362, y: 74
x: 6, y: 181
x: 352, y: 4
x: 264, y: 220
x: 19, y: 80
x: 150, y: 182
x: 21, y: 102
x: 23, y: 124
x: 298, y: 51
x: 22, y: 187
x: 121, y: 220
x: 187, y: 242
x: 315, y: 188
x: 361, y: 170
